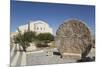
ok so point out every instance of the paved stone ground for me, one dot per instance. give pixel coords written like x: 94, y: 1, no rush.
x: 92, y: 53
x: 16, y: 57
x: 40, y: 58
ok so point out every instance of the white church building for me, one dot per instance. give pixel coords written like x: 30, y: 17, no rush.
x: 38, y: 26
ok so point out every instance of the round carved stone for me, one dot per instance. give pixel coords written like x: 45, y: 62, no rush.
x: 73, y: 38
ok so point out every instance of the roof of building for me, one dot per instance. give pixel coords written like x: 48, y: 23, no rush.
x: 39, y: 21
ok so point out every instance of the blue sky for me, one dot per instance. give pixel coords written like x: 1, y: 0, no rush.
x: 53, y: 14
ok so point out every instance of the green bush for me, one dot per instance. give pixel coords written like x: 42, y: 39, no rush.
x: 43, y: 39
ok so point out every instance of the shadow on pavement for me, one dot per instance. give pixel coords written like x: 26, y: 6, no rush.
x: 87, y: 59
x: 56, y: 53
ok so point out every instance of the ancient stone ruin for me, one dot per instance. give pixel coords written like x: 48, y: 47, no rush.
x: 73, y: 39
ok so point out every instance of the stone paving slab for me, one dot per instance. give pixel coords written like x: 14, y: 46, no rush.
x: 42, y: 58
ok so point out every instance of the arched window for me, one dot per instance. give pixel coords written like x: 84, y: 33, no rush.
x: 41, y: 28
x: 37, y: 28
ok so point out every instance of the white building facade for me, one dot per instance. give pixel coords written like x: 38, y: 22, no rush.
x: 36, y: 26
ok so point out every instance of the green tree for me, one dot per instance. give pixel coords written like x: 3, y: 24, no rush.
x: 24, y: 39
x: 44, y: 38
